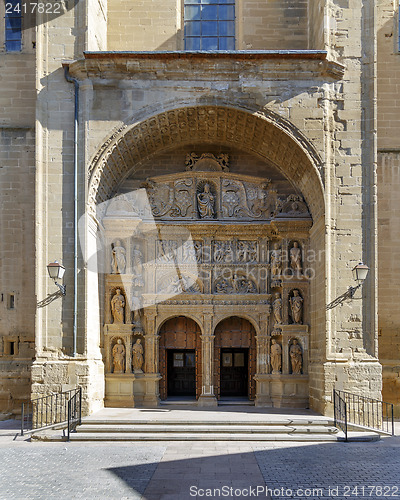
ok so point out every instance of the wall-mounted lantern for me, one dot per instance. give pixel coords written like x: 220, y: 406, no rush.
x: 56, y: 272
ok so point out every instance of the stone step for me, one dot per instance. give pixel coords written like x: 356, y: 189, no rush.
x: 194, y: 422
x: 167, y: 436
x: 201, y: 428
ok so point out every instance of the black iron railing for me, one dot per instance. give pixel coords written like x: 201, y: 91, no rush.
x: 55, y: 409
x: 362, y: 412
x: 74, y: 411
x: 340, y: 412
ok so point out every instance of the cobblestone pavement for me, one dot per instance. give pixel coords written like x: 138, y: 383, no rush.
x: 181, y: 471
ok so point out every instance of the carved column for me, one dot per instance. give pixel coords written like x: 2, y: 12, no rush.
x: 128, y: 366
x: 207, y: 397
x: 263, y: 362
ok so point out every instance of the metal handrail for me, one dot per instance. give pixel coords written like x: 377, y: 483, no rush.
x: 63, y: 408
x: 362, y: 411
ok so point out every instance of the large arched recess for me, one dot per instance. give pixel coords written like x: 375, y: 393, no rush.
x: 262, y: 133
x: 266, y: 135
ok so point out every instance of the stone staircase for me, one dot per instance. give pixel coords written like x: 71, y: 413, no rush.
x: 206, y: 430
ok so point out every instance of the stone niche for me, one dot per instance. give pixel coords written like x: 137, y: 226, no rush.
x: 206, y: 240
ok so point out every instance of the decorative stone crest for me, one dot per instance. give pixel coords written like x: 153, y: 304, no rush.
x: 207, y: 162
x: 293, y: 206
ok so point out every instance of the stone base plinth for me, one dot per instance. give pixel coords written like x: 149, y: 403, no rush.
x: 207, y: 400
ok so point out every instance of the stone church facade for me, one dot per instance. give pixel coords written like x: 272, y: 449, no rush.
x: 208, y: 205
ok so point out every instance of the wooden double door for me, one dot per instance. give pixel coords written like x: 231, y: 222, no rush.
x: 180, y: 358
x: 234, y: 358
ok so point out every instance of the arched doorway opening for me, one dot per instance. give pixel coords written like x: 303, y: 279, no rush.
x: 180, y: 358
x: 234, y: 358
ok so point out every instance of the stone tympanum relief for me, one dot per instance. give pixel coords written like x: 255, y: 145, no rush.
x: 192, y: 252
x: 236, y: 284
x: 276, y: 357
x: 296, y: 307
x: 137, y: 356
x: 118, y: 307
x: 223, y: 252
x: 247, y: 251
x: 118, y: 356
x: 208, y: 191
x: 118, y: 260
x: 296, y: 357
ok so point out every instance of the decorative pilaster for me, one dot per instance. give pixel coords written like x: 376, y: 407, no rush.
x: 207, y: 397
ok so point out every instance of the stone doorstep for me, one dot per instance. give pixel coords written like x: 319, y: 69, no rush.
x: 210, y: 429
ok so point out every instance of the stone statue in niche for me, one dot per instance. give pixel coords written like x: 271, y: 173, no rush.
x: 205, y: 202
x: 118, y: 260
x: 136, y: 305
x: 295, y: 257
x: 118, y: 307
x: 296, y: 307
x: 276, y: 260
x: 137, y: 267
x: 296, y: 357
x: 118, y: 354
x: 137, y: 356
x: 276, y: 357
x: 277, y: 308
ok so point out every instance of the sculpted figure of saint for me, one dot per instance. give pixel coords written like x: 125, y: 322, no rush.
x: 296, y: 306
x: 276, y: 357
x: 295, y: 257
x: 206, y: 203
x: 276, y: 261
x: 137, y: 356
x: 295, y: 357
x: 277, y: 308
x: 118, y: 353
x: 118, y: 307
x: 137, y: 261
x: 118, y: 260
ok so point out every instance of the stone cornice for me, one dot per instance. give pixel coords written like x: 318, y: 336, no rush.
x: 278, y: 65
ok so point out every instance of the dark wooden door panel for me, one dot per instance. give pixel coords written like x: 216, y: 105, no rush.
x: 181, y: 367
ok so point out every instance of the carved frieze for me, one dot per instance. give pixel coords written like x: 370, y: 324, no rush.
x: 219, y: 195
x: 237, y: 284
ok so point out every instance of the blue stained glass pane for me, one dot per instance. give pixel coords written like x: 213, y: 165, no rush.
x: 13, y: 35
x: 209, y: 43
x: 192, y: 12
x: 227, y: 43
x: 226, y: 1
x: 226, y: 28
x: 209, y: 12
x: 13, y: 23
x: 208, y: 1
x: 13, y: 45
x: 209, y: 28
x: 226, y: 12
x: 192, y: 28
x: 192, y: 43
